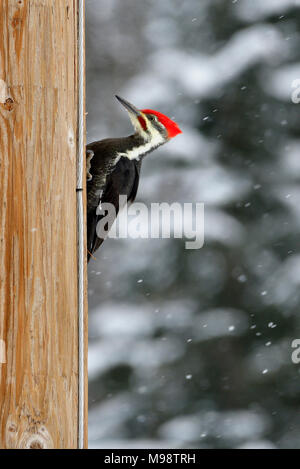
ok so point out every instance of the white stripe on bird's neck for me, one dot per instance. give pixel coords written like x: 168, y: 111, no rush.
x: 151, y: 140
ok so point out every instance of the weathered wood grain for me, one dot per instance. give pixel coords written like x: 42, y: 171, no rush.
x: 38, y: 264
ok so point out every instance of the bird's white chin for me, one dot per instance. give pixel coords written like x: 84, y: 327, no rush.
x: 138, y: 128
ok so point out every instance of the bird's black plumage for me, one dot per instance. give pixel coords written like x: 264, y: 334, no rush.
x: 111, y: 176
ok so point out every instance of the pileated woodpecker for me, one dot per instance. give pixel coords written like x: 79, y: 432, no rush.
x: 114, y: 164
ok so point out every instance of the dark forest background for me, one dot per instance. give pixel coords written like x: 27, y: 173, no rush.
x: 193, y: 348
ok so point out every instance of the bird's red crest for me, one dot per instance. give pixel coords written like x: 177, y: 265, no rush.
x: 171, y: 126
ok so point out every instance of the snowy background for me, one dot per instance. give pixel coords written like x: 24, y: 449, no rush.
x: 193, y: 348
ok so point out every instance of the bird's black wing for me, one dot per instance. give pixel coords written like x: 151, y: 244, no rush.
x: 123, y: 180
x: 132, y: 195
x: 99, y: 165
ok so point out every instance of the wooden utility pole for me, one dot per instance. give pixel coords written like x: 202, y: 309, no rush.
x: 38, y: 224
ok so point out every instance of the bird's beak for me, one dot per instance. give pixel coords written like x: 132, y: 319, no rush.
x: 129, y: 107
